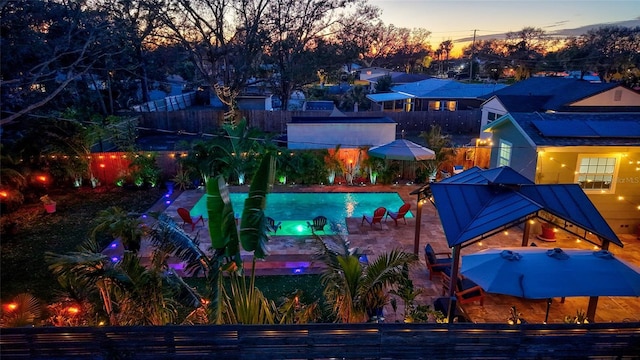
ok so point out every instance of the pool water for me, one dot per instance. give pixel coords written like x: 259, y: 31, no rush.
x: 294, y: 210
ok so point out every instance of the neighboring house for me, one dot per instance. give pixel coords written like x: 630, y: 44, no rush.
x: 433, y: 95
x: 599, y: 151
x: 556, y: 94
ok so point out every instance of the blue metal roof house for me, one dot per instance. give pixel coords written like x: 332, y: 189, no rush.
x: 433, y: 95
x: 599, y: 152
x: 555, y: 94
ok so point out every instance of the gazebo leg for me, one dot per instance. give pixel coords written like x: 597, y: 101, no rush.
x: 591, y: 310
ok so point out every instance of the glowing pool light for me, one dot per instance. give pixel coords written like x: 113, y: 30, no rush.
x: 297, y: 271
x: 114, y: 259
x: 114, y: 245
x: 300, y: 228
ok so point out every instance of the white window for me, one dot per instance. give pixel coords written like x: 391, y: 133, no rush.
x: 504, y: 153
x: 491, y: 116
x: 597, y: 173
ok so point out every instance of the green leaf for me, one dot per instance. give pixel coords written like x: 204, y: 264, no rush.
x: 253, y: 232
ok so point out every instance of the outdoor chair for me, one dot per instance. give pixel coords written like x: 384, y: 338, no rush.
x: 404, y: 209
x: 272, y: 226
x: 466, y: 290
x: 434, y: 263
x: 188, y: 220
x: 378, y: 214
x: 318, y: 224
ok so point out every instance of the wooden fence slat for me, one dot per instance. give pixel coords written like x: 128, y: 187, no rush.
x: 437, y: 341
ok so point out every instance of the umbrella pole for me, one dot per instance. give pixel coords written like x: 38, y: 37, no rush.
x: 546, y: 316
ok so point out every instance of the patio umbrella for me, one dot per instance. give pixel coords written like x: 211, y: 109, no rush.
x: 538, y: 273
x: 402, y: 149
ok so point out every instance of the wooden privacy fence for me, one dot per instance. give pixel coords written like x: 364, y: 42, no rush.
x: 322, y: 341
x: 208, y: 120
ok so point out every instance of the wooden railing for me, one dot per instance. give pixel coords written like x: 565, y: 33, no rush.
x: 321, y: 341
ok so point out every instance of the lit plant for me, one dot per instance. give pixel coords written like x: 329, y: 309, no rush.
x: 515, y: 317
x: 580, y: 318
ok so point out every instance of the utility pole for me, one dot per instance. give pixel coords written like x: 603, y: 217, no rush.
x: 473, y: 50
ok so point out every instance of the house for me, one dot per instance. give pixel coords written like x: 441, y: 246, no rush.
x: 556, y: 94
x: 433, y: 95
x: 598, y: 151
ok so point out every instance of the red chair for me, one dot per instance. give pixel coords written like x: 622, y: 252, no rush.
x: 187, y: 219
x: 378, y: 214
x: 404, y: 209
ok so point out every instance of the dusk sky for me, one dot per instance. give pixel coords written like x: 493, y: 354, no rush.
x: 455, y: 19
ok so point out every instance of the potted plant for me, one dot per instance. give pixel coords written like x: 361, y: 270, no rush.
x: 49, y: 205
x: 548, y: 228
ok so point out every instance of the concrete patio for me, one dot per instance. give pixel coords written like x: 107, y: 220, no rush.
x: 289, y: 251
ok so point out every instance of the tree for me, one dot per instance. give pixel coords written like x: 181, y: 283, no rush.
x: 357, y: 291
x: 50, y: 51
x: 610, y: 51
x: 411, y: 49
x: 297, y: 29
x: 225, y: 39
x: 446, y: 47
x: 525, y: 49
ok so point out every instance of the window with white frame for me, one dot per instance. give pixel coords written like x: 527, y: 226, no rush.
x: 596, y: 173
x: 504, y: 153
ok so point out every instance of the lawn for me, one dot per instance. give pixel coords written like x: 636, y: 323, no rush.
x: 22, y: 251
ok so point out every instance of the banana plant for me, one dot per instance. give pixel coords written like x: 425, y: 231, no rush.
x: 246, y: 304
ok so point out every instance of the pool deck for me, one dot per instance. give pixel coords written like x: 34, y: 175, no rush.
x: 290, y: 252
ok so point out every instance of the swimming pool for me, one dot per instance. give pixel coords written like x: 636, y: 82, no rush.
x: 295, y: 209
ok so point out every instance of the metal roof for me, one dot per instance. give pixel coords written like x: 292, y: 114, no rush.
x: 470, y: 207
x: 446, y: 89
x: 392, y: 96
x: 540, y: 128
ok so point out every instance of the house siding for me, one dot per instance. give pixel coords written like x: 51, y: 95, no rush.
x: 622, y: 214
x: 522, y: 151
x: 618, y: 96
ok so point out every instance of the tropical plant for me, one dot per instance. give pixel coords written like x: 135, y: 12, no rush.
x: 413, y: 312
x: 182, y: 179
x: 144, y: 169
x: 120, y: 224
x: 443, y: 148
x: 334, y: 165
x: 131, y: 294
x: 580, y: 318
x: 374, y: 166
x: 357, y: 291
x: 244, y: 304
x: 23, y: 310
x: 89, y: 269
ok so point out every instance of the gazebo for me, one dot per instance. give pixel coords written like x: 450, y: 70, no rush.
x: 477, y: 204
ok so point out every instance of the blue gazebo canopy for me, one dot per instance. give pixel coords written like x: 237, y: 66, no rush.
x: 477, y: 202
